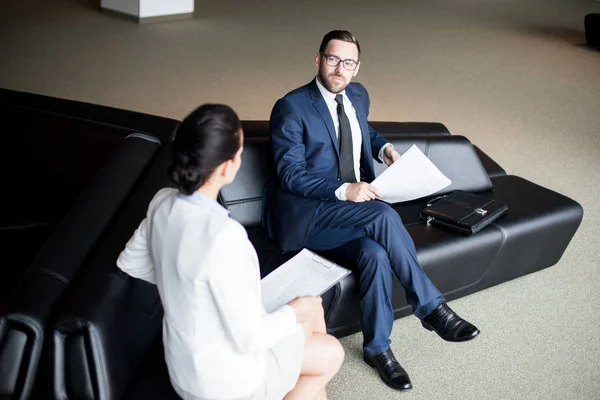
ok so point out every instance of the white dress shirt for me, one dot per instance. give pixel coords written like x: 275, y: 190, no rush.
x: 215, y: 329
x: 329, y: 98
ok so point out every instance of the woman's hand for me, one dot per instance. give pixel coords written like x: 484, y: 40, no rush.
x: 305, y: 307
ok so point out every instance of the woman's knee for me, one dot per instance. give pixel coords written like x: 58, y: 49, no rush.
x: 336, y: 354
x: 340, y: 352
x: 325, y: 353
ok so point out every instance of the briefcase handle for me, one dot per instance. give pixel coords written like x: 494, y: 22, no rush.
x: 430, y: 202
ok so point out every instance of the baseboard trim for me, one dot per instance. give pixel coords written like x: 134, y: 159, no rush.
x: 149, y: 20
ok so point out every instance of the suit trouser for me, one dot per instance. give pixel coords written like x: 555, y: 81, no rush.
x: 372, y: 233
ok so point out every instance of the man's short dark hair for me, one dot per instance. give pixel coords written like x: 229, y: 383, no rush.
x: 344, y: 36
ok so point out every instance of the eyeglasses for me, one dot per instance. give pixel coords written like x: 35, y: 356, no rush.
x: 334, y: 61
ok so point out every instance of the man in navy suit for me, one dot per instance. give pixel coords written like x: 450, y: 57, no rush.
x: 324, y: 149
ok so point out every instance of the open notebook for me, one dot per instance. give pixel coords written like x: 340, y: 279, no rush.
x: 306, y: 274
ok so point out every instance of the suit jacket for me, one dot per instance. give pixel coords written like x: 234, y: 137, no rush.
x: 306, y: 153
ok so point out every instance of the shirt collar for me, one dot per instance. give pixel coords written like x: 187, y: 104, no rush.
x: 326, y: 93
x: 202, y: 199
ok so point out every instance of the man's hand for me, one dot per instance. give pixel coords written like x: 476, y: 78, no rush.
x: 362, y: 191
x: 390, y: 155
x: 305, y: 307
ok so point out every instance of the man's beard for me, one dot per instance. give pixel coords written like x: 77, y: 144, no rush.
x: 328, y: 85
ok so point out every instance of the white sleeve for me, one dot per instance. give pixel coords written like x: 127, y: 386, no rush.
x: 135, y: 259
x: 340, y: 193
x: 382, y: 149
x: 238, y: 299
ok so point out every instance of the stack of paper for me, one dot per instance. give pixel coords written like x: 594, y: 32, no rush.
x: 307, y: 274
x: 411, y: 177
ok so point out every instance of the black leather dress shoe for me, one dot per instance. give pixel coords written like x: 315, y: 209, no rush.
x: 448, y: 325
x: 390, y: 370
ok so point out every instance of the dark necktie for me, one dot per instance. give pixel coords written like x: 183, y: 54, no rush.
x: 346, y: 152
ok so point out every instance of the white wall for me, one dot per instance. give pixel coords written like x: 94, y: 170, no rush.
x: 155, y: 8
x: 149, y: 8
x: 131, y: 7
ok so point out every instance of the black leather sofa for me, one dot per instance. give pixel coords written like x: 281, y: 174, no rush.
x: 591, y: 24
x: 65, y: 176
x: 106, y: 341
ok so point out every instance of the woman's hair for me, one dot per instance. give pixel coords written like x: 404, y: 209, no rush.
x: 206, y: 138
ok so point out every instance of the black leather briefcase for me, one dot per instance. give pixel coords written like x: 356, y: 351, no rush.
x: 462, y: 211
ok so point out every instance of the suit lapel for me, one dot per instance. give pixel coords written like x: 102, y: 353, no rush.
x: 321, y: 107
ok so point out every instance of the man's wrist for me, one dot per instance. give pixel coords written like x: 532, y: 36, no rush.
x: 382, y: 150
x: 340, y: 193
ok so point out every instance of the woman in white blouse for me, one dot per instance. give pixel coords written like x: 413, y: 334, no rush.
x: 219, y: 341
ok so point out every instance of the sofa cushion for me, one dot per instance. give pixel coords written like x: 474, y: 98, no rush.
x: 243, y: 197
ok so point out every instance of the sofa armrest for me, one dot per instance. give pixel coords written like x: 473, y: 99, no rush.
x: 25, y: 315
x: 108, y: 321
x: 102, y: 336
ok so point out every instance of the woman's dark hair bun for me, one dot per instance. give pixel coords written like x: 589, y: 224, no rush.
x: 206, y: 138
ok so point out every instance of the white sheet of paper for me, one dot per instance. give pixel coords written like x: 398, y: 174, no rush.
x: 306, y: 274
x: 411, y: 177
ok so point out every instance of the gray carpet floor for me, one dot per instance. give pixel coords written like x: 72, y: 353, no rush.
x: 515, y: 77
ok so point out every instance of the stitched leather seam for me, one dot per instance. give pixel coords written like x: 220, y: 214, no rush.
x: 421, y: 222
x: 72, y: 117
x: 25, y: 320
x: 55, y: 275
x: 25, y: 226
x: 339, y: 328
x: 334, y: 301
x: 241, y: 201
x: 144, y: 136
x: 492, y: 264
